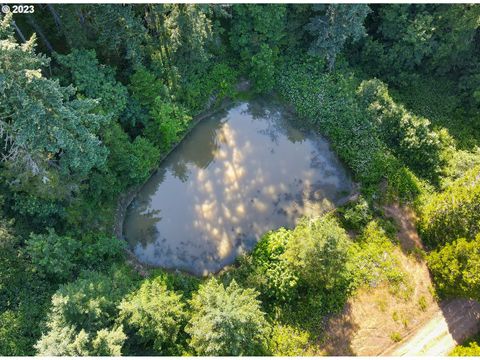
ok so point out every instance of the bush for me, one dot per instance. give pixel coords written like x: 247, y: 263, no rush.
x: 454, y: 213
x: 327, y: 102
x: 168, y: 122
x: 455, y: 268
x: 263, y: 69
x: 145, y: 87
x: 270, y: 272
x: 157, y: 315
x: 318, y: 252
x: 357, y: 215
x: 53, y: 255
x: 408, y: 136
x: 226, y: 321
x: 218, y: 82
x: 288, y: 341
x: 471, y: 349
x: 372, y: 260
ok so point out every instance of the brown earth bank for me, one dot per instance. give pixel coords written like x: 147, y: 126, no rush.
x: 410, y: 322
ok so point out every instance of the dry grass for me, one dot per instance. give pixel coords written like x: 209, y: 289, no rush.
x: 369, y: 319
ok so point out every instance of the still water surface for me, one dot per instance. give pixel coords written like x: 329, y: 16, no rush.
x: 237, y: 175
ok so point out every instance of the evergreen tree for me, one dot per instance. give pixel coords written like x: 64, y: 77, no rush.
x: 226, y: 321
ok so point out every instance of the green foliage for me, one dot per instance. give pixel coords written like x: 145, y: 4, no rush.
x: 454, y: 213
x: 318, y: 251
x: 288, y: 341
x: 145, y: 87
x: 37, y: 212
x: 131, y: 163
x: 94, y: 80
x: 42, y: 129
x: 408, y: 136
x: 53, y: 255
x: 269, y: 271
x: 168, y: 122
x: 336, y: 24
x: 255, y: 25
x: 217, y: 83
x: 455, y: 268
x: 263, y: 69
x: 226, y: 321
x: 469, y: 348
x: 82, y: 317
x: 327, y: 102
x: 372, y: 260
x: 156, y: 314
x: 357, y: 214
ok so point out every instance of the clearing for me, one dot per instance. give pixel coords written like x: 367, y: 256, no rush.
x: 412, y: 322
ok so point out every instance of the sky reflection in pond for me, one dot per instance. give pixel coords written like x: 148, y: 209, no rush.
x: 237, y: 175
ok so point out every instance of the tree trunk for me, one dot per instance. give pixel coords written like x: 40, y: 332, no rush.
x: 19, y: 32
x: 56, y: 17
x: 40, y: 33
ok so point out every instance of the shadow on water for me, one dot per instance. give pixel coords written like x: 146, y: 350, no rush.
x: 236, y: 176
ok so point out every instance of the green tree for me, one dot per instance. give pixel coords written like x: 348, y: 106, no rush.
x: 168, y: 122
x: 455, y: 268
x: 226, y: 321
x: 318, y: 250
x: 254, y: 25
x: 82, y: 317
x: 41, y: 128
x: 263, y: 69
x: 94, y: 80
x: 334, y: 26
x: 53, y: 255
x: 156, y: 314
x: 453, y: 213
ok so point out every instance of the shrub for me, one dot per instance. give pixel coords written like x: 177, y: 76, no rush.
x: 288, y: 341
x: 454, y: 213
x: 168, y: 122
x: 471, y: 349
x: 263, y: 69
x: 329, y: 105
x: 226, y: 321
x: 318, y: 251
x: 145, y: 87
x: 396, y: 336
x: 53, y: 255
x: 218, y: 82
x: 372, y: 260
x: 357, y: 215
x: 455, y: 268
x: 270, y: 272
x: 408, y: 136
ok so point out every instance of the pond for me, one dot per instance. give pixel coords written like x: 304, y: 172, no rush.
x: 237, y: 175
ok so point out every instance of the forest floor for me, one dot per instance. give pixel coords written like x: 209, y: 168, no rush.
x: 379, y: 321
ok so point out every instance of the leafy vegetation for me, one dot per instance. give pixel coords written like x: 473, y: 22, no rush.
x: 93, y: 96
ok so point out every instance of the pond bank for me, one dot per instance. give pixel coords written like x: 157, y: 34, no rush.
x: 126, y: 198
x: 238, y: 175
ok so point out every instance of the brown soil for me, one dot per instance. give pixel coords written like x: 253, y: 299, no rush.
x: 378, y: 322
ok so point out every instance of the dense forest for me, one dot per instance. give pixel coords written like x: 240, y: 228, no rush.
x: 94, y: 96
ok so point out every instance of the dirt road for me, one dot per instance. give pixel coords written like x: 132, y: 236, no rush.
x: 452, y: 324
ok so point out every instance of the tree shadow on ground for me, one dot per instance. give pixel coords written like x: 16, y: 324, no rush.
x: 339, y: 331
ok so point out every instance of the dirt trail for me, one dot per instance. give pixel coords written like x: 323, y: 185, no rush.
x: 370, y: 319
x: 452, y: 324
